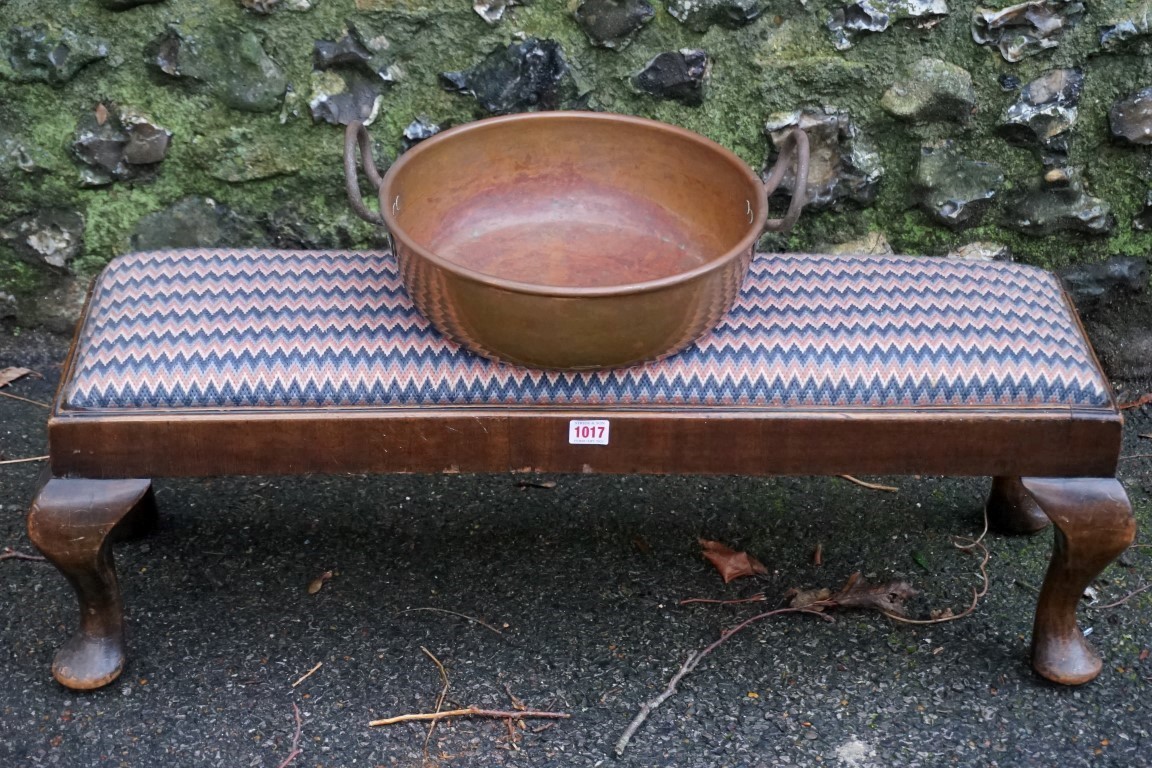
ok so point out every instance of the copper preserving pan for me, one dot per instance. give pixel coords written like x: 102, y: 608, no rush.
x: 572, y: 240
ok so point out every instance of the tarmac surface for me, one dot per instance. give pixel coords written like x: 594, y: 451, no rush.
x: 578, y: 588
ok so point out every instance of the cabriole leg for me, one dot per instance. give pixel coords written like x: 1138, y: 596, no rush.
x: 74, y: 522
x: 1093, y: 525
x: 1012, y: 510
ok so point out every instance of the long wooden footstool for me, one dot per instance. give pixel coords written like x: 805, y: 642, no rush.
x: 218, y: 362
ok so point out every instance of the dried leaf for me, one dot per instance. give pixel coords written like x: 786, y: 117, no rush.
x: 641, y: 544
x: 730, y: 563
x: 101, y: 114
x: 818, y: 555
x: 887, y: 598
x: 804, y: 598
x: 9, y: 375
x: 317, y: 583
x: 1143, y: 655
x: 938, y: 614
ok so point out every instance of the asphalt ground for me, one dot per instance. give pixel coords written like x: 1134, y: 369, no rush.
x: 578, y: 586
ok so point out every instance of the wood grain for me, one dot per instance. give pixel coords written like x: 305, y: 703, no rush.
x: 947, y: 442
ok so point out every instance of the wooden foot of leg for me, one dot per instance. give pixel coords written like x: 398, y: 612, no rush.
x: 1093, y: 525
x: 141, y: 521
x: 73, y: 522
x: 1012, y: 510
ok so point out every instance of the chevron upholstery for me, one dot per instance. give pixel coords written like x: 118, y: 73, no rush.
x: 226, y: 329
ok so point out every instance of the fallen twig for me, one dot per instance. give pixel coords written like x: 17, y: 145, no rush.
x: 22, y: 461
x: 308, y: 674
x: 439, y: 699
x: 1146, y: 437
x: 948, y: 615
x: 512, y: 736
x: 1026, y: 585
x: 472, y: 619
x: 757, y: 598
x: 871, y: 486
x: 1124, y: 599
x: 1136, y: 456
x: 1144, y: 399
x: 972, y: 544
x: 296, y: 752
x: 690, y: 664
x: 887, y: 599
x: 516, y: 703
x: 472, y: 712
x: 12, y: 554
x: 25, y: 400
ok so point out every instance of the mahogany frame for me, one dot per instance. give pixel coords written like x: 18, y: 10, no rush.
x: 1049, y: 463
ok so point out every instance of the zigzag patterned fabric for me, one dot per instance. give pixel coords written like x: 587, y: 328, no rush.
x: 290, y: 329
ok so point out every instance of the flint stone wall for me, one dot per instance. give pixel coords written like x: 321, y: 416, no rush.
x: 940, y: 126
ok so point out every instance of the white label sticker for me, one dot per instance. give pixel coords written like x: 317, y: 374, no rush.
x: 588, y: 432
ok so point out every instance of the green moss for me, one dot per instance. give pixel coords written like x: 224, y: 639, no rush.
x: 783, y: 61
x: 112, y: 214
x: 19, y: 278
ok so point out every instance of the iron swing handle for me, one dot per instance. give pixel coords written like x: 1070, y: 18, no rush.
x: 357, y: 135
x: 796, y: 142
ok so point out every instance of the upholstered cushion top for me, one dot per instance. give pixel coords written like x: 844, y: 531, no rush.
x: 223, y: 329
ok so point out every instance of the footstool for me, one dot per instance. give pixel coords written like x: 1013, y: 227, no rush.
x: 233, y: 362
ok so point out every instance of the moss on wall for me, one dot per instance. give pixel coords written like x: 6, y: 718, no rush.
x: 281, y: 169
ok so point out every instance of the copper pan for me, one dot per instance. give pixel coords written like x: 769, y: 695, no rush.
x: 573, y: 240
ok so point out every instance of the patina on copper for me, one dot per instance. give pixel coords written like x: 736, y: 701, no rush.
x: 572, y: 240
